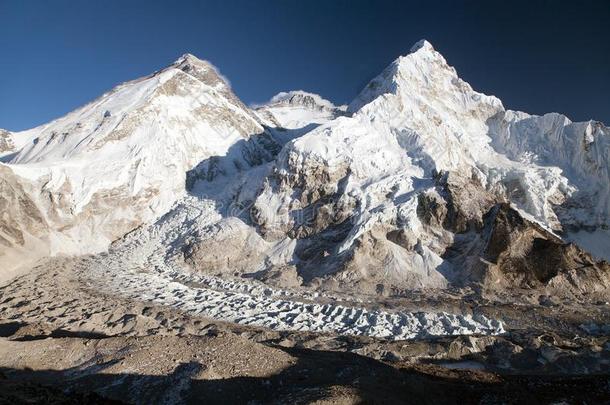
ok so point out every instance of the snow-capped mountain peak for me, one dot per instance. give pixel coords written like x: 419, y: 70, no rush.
x: 422, y: 74
x: 297, y: 109
x: 188, y: 57
x: 301, y: 98
x: 420, y: 135
x: 202, y: 70
x: 422, y: 44
x: 122, y: 159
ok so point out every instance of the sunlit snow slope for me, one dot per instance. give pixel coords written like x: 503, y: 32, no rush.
x: 118, y: 162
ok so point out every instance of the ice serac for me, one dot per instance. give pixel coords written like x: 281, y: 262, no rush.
x: 121, y: 160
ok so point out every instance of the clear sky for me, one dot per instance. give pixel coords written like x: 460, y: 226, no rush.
x: 537, y: 56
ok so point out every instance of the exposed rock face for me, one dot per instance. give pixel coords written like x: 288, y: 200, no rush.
x: 312, y: 190
x: 20, y: 215
x: 467, y: 202
x: 23, y: 227
x: 6, y: 141
x: 520, y: 253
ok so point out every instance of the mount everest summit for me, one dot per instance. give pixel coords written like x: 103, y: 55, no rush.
x: 419, y: 183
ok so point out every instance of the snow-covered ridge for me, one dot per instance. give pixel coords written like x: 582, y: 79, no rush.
x: 301, y: 98
x: 580, y: 149
x: 120, y: 110
x: 297, y: 110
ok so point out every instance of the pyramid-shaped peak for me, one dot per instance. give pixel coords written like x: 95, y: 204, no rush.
x: 189, y: 56
x: 422, y: 53
x: 423, y: 45
x: 188, y: 59
x: 423, y: 73
x: 202, y: 70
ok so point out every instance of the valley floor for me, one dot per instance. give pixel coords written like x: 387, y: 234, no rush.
x: 66, y: 338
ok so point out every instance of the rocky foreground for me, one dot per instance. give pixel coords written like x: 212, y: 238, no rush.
x: 66, y: 342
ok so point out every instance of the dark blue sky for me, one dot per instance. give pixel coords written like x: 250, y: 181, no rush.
x: 537, y: 56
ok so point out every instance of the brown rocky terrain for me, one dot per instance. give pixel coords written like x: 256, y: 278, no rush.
x: 64, y: 341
